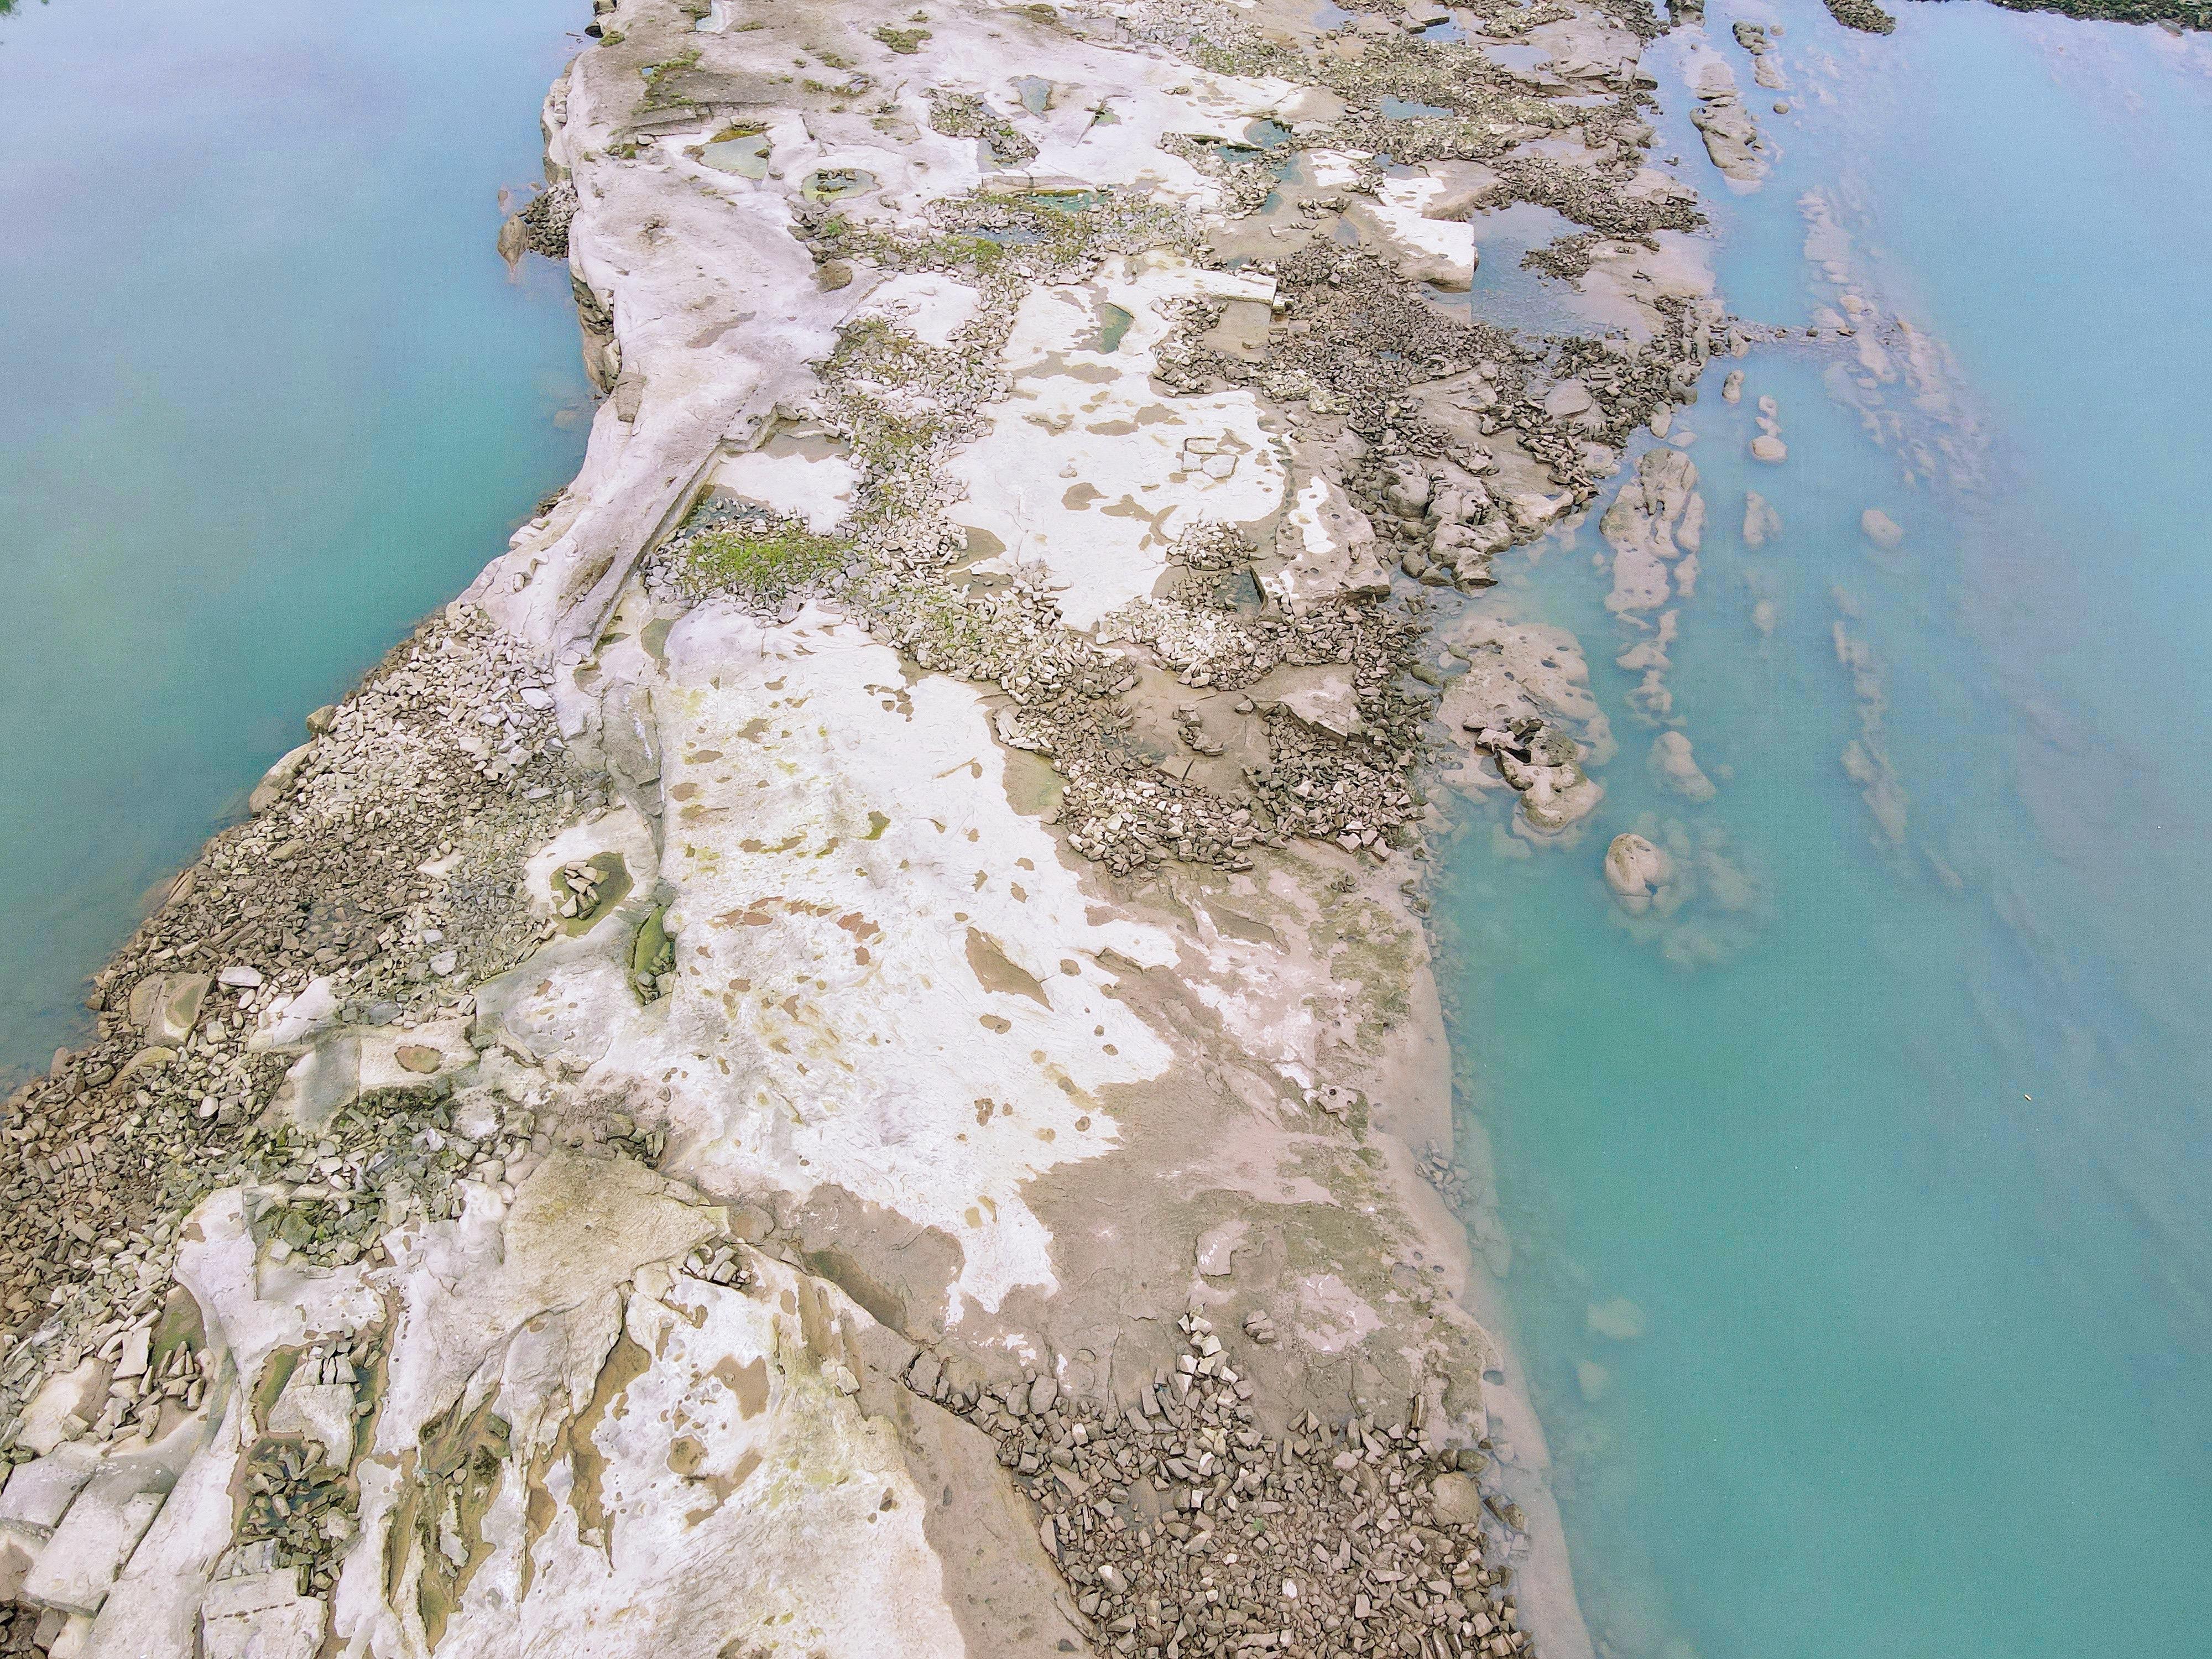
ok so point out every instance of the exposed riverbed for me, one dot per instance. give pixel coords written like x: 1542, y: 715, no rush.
x: 271, y: 398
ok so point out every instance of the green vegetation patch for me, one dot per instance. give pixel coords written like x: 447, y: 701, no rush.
x: 660, y: 78
x: 1030, y: 234
x: 755, y: 555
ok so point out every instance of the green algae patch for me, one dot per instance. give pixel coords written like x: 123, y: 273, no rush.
x: 458, y: 1467
x: 281, y: 1363
x: 1033, y: 786
x: 181, y: 1326
x: 1113, y: 324
x: 652, y: 954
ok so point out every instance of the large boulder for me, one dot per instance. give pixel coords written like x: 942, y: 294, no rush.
x: 1456, y: 1500
x: 168, y: 1006
x: 278, y: 778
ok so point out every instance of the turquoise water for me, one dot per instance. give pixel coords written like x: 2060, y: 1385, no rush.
x: 1912, y: 1180
x: 270, y: 397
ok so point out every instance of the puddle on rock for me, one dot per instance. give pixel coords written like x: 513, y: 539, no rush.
x: 1113, y: 325
x: 1503, y: 291
x: 832, y: 184
x: 612, y: 873
x: 742, y: 150
x: 1531, y: 62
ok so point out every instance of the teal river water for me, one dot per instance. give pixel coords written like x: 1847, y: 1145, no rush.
x: 270, y: 397
x: 1926, y: 1365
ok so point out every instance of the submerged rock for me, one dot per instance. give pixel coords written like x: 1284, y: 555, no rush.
x: 1656, y: 520
x: 1637, y: 871
x: 1618, y: 1319
x: 1672, y: 762
x: 1880, y: 529
x: 1761, y: 522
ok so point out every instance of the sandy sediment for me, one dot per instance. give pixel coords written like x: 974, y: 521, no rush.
x: 857, y: 1013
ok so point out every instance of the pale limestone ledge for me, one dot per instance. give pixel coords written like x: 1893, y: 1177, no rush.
x: 971, y: 1094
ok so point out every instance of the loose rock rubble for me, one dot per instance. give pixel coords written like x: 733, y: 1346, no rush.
x: 1870, y: 19
x: 1186, y: 1528
x: 380, y: 875
x: 964, y: 115
x: 301, y: 1504
x: 542, y: 225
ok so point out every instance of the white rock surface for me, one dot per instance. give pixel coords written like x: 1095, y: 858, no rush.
x: 1421, y: 222
x: 1087, y: 469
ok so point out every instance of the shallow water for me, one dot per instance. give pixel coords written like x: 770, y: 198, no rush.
x: 1909, y: 1180
x: 746, y: 155
x: 1504, y: 289
x: 272, y: 397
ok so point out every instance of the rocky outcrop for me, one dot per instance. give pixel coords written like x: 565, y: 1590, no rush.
x: 1869, y: 19
x: 1523, y: 701
x: 1731, y: 136
x: 1755, y: 39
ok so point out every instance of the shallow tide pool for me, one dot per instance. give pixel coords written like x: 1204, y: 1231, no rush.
x: 272, y: 397
x: 1896, y: 1137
